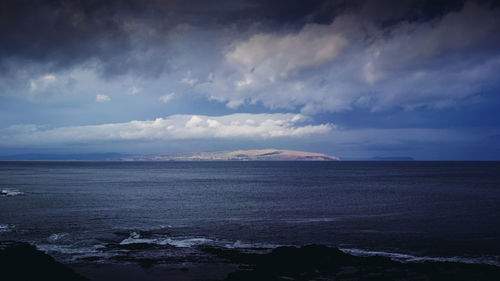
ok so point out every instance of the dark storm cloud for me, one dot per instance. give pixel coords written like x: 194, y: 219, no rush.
x: 384, y: 12
x: 55, y: 34
x: 381, y: 48
x: 60, y: 34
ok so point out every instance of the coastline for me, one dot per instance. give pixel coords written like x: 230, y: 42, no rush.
x: 21, y: 261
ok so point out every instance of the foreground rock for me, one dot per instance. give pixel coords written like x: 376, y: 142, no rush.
x: 323, y: 263
x: 23, y: 262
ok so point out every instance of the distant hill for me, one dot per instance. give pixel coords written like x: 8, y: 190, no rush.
x: 238, y: 155
x: 235, y: 155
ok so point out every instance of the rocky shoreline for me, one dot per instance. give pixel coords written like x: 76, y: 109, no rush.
x: 317, y: 262
x: 21, y: 261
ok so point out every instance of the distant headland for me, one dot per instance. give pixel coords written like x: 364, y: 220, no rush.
x: 238, y: 155
x: 233, y: 155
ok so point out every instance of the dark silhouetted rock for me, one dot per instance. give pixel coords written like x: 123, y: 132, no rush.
x: 317, y: 262
x: 23, y: 262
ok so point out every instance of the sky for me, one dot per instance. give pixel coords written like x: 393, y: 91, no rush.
x: 355, y: 79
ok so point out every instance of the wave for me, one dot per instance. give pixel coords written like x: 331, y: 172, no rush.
x: 405, y: 258
x: 69, y: 249
x: 313, y: 220
x: 243, y: 245
x: 159, y: 227
x: 78, y: 253
x: 135, y: 238
x: 76, y: 248
x: 64, y: 248
x: 10, y: 192
x: 189, y: 242
x: 104, y: 252
x: 58, y: 237
x: 4, y: 228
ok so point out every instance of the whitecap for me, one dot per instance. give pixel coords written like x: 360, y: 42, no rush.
x: 10, y: 192
x: 68, y: 249
x: 312, y: 220
x: 150, y: 228
x: 6, y: 228
x: 57, y: 237
x: 411, y: 258
x: 135, y: 238
x: 190, y: 242
x: 243, y: 245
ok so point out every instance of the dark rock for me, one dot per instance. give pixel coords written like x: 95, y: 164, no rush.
x: 23, y: 262
x: 317, y: 262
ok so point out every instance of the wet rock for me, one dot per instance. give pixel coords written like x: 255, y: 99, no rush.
x: 23, y: 262
x: 317, y: 262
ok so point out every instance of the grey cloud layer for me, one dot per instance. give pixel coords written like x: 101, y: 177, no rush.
x: 353, y: 62
x: 311, y: 56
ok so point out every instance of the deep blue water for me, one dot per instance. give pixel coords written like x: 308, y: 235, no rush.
x: 96, y: 211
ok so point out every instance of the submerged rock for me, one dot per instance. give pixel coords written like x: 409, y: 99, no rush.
x: 23, y: 262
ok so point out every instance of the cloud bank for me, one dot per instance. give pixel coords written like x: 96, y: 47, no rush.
x: 322, y: 56
x: 175, y: 127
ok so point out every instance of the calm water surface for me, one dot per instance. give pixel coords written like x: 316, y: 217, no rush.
x: 120, y: 211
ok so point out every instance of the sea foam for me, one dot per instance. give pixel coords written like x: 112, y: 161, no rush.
x: 6, y: 228
x: 135, y: 238
x: 58, y: 237
x: 245, y: 245
x: 10, y: 192
x: 493, y: 260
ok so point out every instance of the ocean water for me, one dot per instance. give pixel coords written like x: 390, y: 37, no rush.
x: 122, y: 212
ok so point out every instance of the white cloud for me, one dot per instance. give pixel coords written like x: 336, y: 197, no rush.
x: 167, y: 97
x: 102, y: 98
x: 234, y: 126
x: 278, y: 56
x: 188, y: 80
x: 134, y: 90
x: 43, y: 83
x: 193, y: 122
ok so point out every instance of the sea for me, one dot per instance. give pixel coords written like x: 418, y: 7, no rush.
x: 169, y: 212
